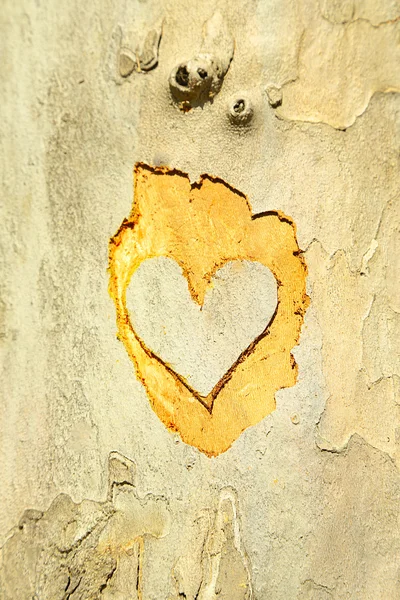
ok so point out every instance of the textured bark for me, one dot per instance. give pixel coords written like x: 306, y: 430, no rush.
x: 293, y: 106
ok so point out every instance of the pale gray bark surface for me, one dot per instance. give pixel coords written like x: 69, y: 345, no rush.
x: 306, y: 504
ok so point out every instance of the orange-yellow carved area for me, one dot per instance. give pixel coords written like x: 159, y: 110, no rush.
x: 203, y: 226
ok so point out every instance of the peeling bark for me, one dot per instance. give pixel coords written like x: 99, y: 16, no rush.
x: 289, y: 492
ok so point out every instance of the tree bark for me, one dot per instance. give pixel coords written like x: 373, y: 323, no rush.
x: 200, y: 388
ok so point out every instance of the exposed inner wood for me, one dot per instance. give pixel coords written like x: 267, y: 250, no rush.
x: 203, y: 226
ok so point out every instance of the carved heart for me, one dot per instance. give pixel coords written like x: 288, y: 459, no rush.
x: 200, y: 225
x: 200, y: 343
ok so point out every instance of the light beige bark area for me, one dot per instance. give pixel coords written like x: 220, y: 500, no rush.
x: 300, y: 113
x: 368, y: 54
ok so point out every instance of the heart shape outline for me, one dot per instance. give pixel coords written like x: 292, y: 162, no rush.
x: 144, y: 295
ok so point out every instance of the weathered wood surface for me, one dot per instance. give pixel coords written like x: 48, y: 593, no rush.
x: 296, y: 105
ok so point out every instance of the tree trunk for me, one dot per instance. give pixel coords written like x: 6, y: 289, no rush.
x: 200, y: 300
